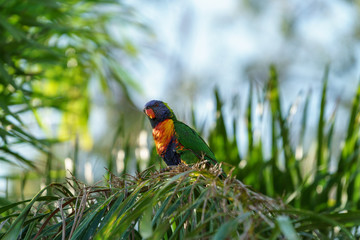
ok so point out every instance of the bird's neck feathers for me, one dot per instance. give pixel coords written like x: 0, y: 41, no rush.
x: 171, y: 115
x: 171, y: 111
x: 165, y: 114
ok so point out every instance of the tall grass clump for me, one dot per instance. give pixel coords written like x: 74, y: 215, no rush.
x: 285, y: 173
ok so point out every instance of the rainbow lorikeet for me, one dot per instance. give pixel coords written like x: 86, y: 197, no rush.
x: 174, y: 140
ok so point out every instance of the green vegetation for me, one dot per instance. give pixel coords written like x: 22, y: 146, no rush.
x: 182, y: 203
x: 49, y: 55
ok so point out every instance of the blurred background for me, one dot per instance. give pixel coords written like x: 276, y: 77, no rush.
x: 76, y: 74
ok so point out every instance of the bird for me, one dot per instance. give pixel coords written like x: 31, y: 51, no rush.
x: 175, y: 141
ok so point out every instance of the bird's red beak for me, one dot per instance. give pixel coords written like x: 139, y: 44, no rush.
x: 150, y: 113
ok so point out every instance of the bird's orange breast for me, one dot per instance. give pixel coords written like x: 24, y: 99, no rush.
x: 162, y: 133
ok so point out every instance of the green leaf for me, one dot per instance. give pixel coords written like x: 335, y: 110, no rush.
x: 145, y: 226
x: 228, y: 228
x: 15, y: 228
x: 287, y: 227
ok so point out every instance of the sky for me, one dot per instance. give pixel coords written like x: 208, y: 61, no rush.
x: 197, y: 45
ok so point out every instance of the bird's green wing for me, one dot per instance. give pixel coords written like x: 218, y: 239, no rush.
x: 192, y: 141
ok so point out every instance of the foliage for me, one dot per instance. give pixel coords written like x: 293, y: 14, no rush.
x: 183, y: 202
x: 50, y: 51
x: 286, y: 174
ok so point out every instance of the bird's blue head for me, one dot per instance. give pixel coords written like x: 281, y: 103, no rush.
x: 157, y: 111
